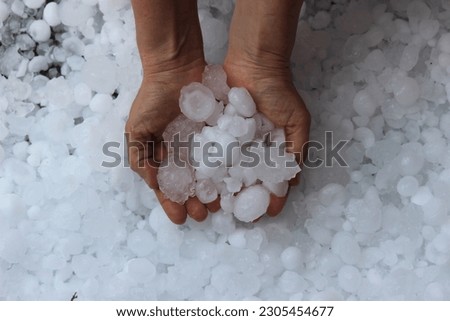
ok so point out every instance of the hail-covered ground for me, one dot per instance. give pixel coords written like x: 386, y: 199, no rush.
x: 375, y: 73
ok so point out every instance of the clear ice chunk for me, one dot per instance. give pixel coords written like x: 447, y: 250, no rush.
x: 215, y: 78
x: 206, y: 191
x: 176, y: 182
x: 197, y: 102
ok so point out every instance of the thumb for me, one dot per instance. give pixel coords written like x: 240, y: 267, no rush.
x: 297, y: 135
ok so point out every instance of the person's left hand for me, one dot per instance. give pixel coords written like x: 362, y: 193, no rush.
x: 155, y: 106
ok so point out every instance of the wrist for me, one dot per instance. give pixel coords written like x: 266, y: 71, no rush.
x: 263, y: 32
x: 170, y: 60
x: 258, y: 66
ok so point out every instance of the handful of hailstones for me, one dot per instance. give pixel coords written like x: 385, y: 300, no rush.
x: 219, y: 146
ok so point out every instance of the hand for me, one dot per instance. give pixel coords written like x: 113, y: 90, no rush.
x: 270, y: 85
x: 155, y: 106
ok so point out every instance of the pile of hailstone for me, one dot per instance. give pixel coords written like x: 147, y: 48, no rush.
x: 219, y: 123
x: 373, y: 72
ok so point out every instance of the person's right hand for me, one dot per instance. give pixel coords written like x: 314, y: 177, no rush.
x: 155, y: 106
x: 262, y: 36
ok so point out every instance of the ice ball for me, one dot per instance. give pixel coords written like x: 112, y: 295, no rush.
x: 33, y: 4
x: 51, y: 14
x: 176, y: 182
x: 4, y: 12
x: 251, y: 203
x: 407, y: 186
x: 100, y: 74
x: 141, y: 242
x: 197, y: 102
x: 39, y: 30
x: 349, y: 278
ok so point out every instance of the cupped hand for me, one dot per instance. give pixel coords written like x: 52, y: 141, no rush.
x: 270, y: 84
x: 155, y: 106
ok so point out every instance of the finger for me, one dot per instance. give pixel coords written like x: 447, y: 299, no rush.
x: 297, y: 133
x: 150, y: 174
x: 214, y: 206
x: 196, y: 209
x: 276, y: 205
x: 176, y: 212
x: 294, y: 181
x: 141, y: 161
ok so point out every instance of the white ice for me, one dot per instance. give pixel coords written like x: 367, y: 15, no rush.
x: 371, y: 72
x: 251, y: 203
x: 197, y: 102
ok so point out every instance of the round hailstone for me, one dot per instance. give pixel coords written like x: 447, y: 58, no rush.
x: 321, y: 20
x: 67, y: 10
x: 364, y: 104
x: 349, y: 278
x: 141, y: 242
x: 141, y: 269
x: 411, y: 159
x: 365, y: 136
x: 422, y: 196
x: 59, y: 93
x: 82, y: 94
x: 444, y: 43
x: 375, y: 61
x: 176, y: 182
x: 219, y: 146
x: 234, y: 125
x: 418, y: 10
x: 251, y: 203
x: 292, y: 282
x: 51, y: 14
x: 84, y: 266
x: 374, y: 36
x: 291, y: 258
x: 4, y: 12
x: 101, y: 103
x: 39, y: 30
x: 197, y: 102
x: 407, y: 186
x: 241, y: 99
x: 410, y: 57
x: 435, y: 212
x: 206, y: 191
x: 428, y: 28
x: 346, y: 247
x: 100, y: 74
x: 406, y: 91
x: 38, y: 63
x: 33, y: 4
